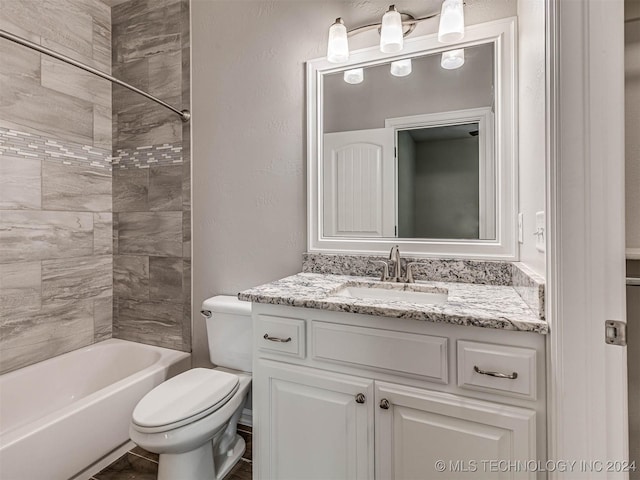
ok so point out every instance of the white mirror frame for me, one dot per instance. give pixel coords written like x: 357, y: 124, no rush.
x: 505, y: 247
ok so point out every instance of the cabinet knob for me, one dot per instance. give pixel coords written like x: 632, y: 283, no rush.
x: 384, y: 404
x: 360, y: 398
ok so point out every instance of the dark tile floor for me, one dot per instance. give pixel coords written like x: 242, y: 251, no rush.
x: 138, y: 464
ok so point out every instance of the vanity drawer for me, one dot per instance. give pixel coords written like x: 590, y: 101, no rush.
x: 497, y: 368
x: 283, y: 335
x: 372, y: 348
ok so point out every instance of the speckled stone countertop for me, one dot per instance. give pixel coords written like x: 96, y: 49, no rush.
x: 487, y: 306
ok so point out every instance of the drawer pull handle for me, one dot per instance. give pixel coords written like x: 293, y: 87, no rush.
x: 510, y: 376
x: 276, y: 339
x: 360, y: 398
x: 384, y: 404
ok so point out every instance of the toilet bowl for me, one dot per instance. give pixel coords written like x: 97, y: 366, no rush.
x: 191, y: 420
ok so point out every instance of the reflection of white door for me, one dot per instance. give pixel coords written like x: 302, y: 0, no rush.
x: 359, y: 183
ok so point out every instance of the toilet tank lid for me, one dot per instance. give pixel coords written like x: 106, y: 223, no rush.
x: 227, y: 304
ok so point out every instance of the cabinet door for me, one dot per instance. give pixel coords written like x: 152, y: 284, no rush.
x: 473, y: 438
x: 310, y: 424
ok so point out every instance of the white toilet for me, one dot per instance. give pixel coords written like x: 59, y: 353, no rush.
x: 191, y: 419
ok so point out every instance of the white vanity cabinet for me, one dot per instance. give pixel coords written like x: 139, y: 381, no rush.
x: 350, y: 396
x: 317, y: 425
x: 417, y: 428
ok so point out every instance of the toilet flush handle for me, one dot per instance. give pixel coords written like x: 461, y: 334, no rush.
x: 205, y: 313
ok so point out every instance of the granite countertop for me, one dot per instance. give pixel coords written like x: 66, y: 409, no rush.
x: 487, y: 306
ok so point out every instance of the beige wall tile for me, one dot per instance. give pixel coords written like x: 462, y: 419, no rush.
x: 150, y: 233
x: 30, y: 104
x: 19, y: 183
x: 102, y: 319
x: 102, y: 128
x: 77, y: 278
x: 147, y: 123
x: 36, y: 235
x: 54, y: 321
x: 131, y: 277
x: 46, y: 18
x: 155, y: 323
x: 71, y: 187
x: 65, y: 78
x: 20, y: 287
x: 130, y: 189
x: 165, y: 279
x: 102, y: 233
x: 165, y: 74
x: 165, y: 188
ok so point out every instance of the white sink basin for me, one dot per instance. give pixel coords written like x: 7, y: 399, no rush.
x: 376, y: 293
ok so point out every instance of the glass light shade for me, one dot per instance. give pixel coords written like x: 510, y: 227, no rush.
x: 354, y: 76
x: 401, y: 68
x: 338, y: 45
x: 451, y: 27
x: 452, y: 59
x: 391, y: 34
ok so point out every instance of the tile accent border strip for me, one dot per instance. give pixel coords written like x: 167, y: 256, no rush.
x: 28, y: 145
x: 147, y: 156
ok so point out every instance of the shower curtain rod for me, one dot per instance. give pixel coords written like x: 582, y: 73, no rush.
x: 185, y: 115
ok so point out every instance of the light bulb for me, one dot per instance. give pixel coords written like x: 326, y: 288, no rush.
x: 354, y: 76
x: 451, y: 27
x: 452, y: 59
x: 391, y: 32
x: 401, y: 68
x: 338, y: 45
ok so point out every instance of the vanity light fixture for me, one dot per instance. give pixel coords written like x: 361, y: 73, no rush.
x: 401, y: 68
x: 391, y: 31
x: 452, y: 59
x: 451, y: 28
x: 394, y: 27
x: 338, y: 46
x: 354, y: 76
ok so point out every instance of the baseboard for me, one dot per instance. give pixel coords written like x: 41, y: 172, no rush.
x: 246, y: 418
x: 633, y: 253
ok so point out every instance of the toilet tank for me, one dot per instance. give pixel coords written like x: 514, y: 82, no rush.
x: 229, y: 332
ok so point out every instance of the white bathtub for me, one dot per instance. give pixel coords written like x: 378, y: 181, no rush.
x: 60, y: 416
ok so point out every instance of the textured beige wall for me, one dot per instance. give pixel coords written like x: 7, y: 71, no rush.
x: 249, y: 167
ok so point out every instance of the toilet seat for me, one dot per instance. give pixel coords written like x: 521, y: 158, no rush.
x: 184, y: 399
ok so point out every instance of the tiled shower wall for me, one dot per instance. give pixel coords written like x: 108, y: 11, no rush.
x: 60, y: 199
x: 151, y: 175
x: 55, y: 181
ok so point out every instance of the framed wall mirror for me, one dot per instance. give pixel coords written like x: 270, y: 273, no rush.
x: 403, y: 149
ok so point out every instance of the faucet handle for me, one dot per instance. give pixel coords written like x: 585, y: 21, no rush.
x: 385, y: 270
x: 409, y: 278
